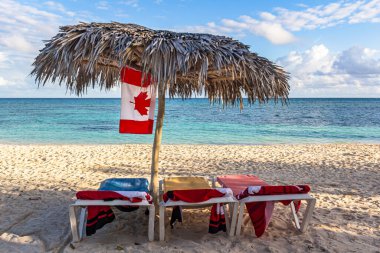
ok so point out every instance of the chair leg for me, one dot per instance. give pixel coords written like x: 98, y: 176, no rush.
x: 295, y: 217
x: 240, y: 218
x: 308, y: 214
x: 213, y: 181
x: 151, y: 222
x: 82, y: 222
x: 74, y: 224
x: 233, y: 218
x: 227, y: 216
x: 162, y: 223
x: 246, y: 220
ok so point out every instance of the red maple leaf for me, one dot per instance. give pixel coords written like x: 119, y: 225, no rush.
x: 141, y: 103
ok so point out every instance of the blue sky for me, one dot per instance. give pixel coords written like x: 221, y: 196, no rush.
x: 331, y: 48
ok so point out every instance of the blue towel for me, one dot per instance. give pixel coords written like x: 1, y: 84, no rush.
x: 125, y: 184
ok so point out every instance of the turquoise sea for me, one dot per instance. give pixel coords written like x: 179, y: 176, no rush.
x: 193, y: 121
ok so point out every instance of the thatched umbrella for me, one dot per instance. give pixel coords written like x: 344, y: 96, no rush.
x: 180, y: 64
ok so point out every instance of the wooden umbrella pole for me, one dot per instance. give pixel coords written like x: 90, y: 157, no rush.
x: 157, y: 143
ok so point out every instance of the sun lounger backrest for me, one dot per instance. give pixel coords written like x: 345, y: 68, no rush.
x: 185, y: 183
x: 125, y: 184
x: 239, y: 183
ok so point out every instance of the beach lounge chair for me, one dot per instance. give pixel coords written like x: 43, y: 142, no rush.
x: 119, y: 192
x: 251, y: 190
x: 195, y: 192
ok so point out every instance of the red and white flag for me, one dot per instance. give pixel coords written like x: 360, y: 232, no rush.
x: 138, y: 99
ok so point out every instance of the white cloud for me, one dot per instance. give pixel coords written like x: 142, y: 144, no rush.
x: 59, y: 7
x: 274, y: 32
x: 23, y: 27
x: 102, y: 5
x: 278, y: 27
x: 13, y: 76
x: 359, y: 61
x: 320, y: 72
x: 367, y: 12
x: 317, y: 59
x: 17, y: 42
x: 132, y: 3
x: 3, y: 58
x: 321, y: 16
x: 267, y: 16
x: 210, y: 27
x: 120, y: 14
x: 3, y: 81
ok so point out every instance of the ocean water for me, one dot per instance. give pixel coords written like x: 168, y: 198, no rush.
x: 193, y: 121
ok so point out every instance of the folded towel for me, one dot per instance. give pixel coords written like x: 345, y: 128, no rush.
x: 273, y: 190
x: 261, y: 212
x: 185, y: 183
x: 196, y: 195
x: 98, y: 216
x: 125, y: 184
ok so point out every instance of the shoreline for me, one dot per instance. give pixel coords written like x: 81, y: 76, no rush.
x: 190, y: 144
x: 38, y: 182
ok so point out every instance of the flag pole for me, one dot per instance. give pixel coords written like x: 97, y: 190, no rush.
x: 157, y: 144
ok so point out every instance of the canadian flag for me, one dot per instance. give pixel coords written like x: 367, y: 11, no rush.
x: 138, y: 99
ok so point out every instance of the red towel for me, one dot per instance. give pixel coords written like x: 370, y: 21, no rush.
x: 192, y: 196
x: 261, y: 212
x: 217, y: 219
x: 98, y: 216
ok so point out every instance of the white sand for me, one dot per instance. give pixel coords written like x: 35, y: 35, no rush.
x: 37, y: 183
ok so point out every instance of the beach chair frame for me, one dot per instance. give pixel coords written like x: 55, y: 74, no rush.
x: 231, y: 202
x: 306, y: 217
x: 78, y: 224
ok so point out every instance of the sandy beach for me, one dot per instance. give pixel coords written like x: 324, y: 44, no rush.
x: 37, y: 183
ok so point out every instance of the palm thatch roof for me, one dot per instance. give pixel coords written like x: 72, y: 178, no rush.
x: 90, y: 54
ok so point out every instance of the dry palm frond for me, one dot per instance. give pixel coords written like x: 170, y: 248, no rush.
x: 186, y: 64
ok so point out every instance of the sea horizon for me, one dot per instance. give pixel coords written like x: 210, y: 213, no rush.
x: 193, y: 121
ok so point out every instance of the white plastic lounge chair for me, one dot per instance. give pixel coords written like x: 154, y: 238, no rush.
x: 240, y: 182
x: 193, y: 183
x: 78, y: 228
